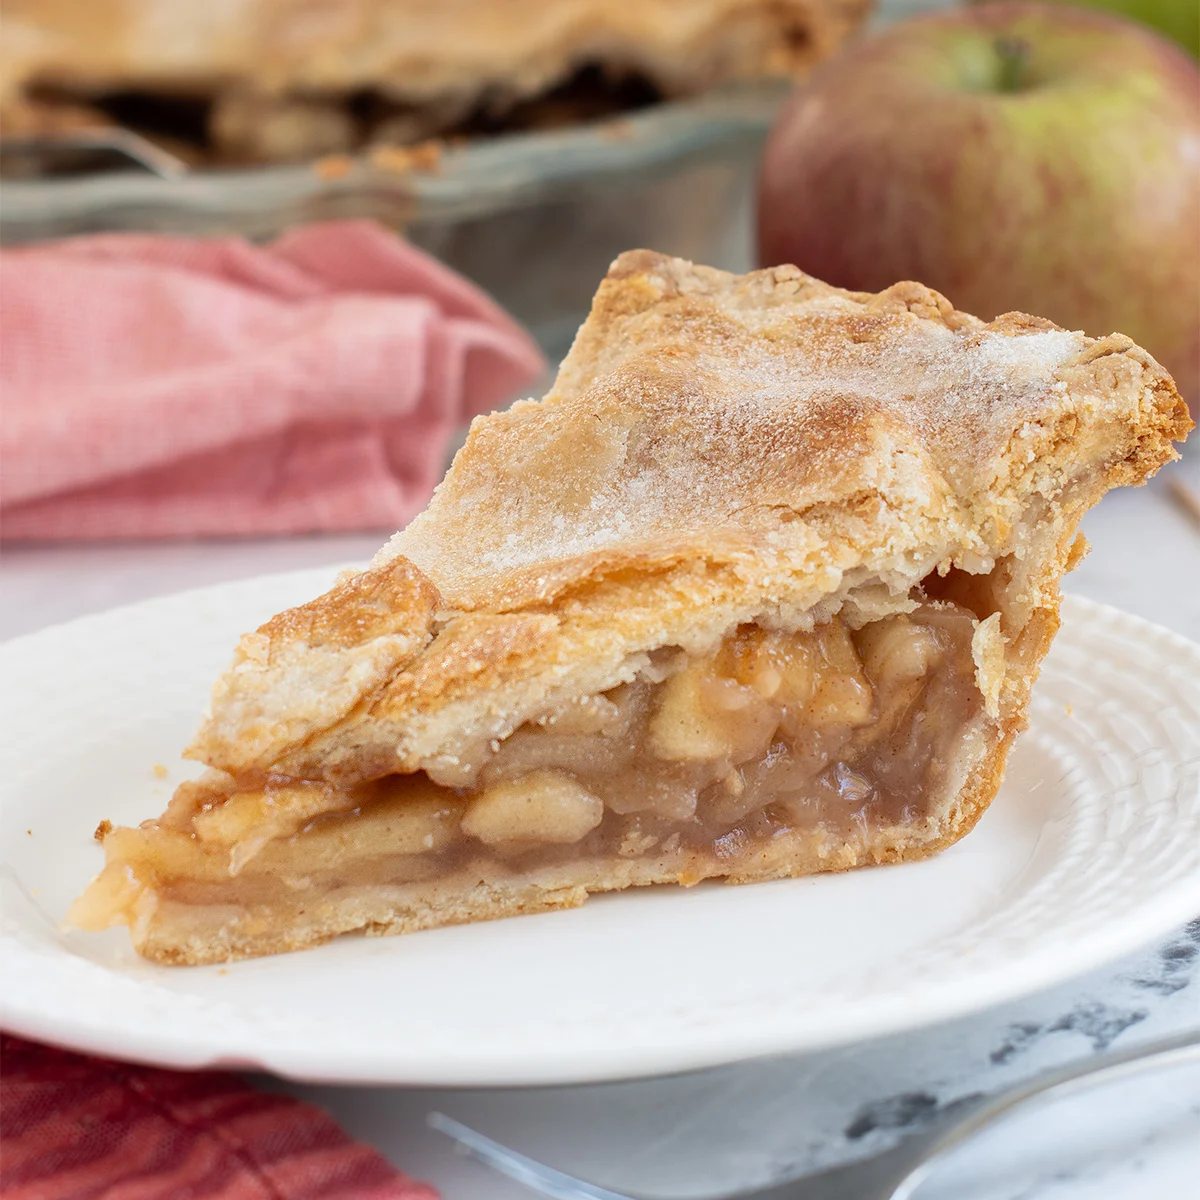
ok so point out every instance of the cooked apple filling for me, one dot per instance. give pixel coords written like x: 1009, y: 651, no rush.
x: 702, y: 761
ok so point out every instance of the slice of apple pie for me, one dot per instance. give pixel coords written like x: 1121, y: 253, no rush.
x: 759, y: 589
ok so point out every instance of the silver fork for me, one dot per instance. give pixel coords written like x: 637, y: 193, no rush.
x: 893, y: 1175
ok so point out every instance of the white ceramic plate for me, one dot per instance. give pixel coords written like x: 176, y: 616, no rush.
x: 1091, y: 848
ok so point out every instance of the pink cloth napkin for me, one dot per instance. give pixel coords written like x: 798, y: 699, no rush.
x: 160, y: 386
x: 79, y: 1128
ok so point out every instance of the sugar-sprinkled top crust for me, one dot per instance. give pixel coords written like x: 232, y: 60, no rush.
x: 699, y: 405
x: 717, y: 449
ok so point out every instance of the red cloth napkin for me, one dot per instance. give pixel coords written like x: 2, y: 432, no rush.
x: 90, y: 1129
x: 161, y: 386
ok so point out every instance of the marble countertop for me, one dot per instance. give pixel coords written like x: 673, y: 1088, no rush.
x: 737, y: 1126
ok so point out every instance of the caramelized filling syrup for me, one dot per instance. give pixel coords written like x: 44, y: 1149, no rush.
x: 775, y: 732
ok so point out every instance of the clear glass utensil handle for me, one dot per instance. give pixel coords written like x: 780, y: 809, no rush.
x: 896, y: 1174
x: 1075, y: 1077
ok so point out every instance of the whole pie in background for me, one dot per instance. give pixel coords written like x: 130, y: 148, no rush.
x: 759, y: 589
x: 260, y: 81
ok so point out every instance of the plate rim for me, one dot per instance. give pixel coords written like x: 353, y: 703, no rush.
x: 1036, y: 969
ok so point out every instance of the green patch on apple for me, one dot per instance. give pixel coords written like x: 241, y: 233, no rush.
x: 1178, y: 19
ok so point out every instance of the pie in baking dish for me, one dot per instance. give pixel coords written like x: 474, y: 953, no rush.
x: 278, y: 80
x: 759, y: 589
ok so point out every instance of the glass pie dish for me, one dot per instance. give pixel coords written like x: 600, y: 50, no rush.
x: 534, y: 218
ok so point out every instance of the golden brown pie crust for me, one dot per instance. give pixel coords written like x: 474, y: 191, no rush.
x: 278, y: 70
x: 717, y: 452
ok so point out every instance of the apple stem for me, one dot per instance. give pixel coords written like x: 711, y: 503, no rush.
x: 1013, y: 53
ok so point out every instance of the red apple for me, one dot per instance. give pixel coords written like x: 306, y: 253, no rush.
x: 1012, y: 156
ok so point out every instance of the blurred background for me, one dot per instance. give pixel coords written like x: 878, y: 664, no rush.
x: 180, y: 283
x: 526, y: 145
